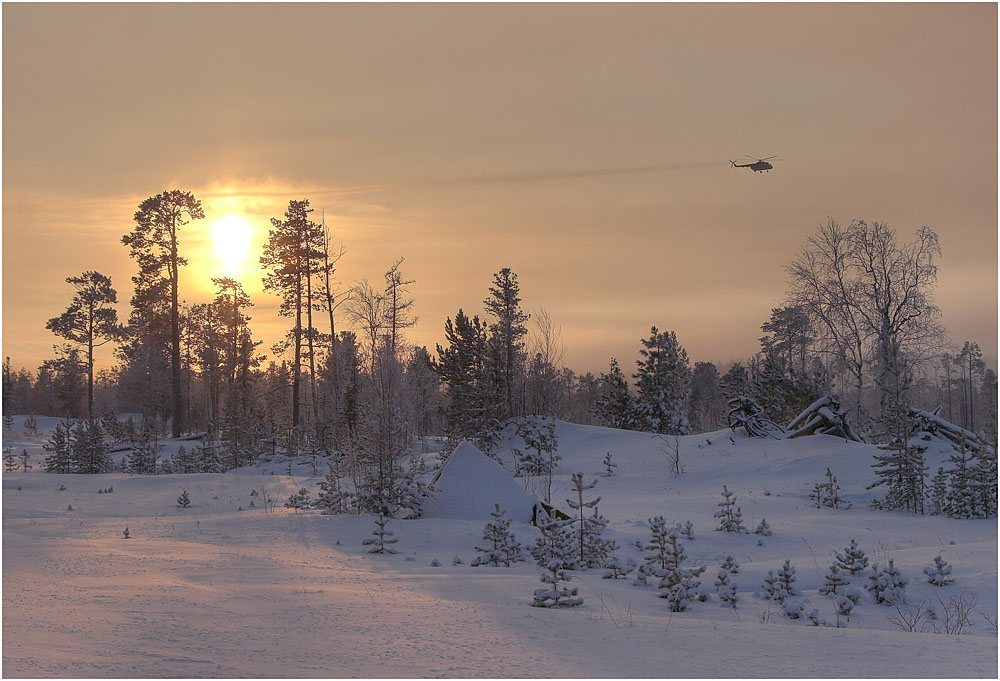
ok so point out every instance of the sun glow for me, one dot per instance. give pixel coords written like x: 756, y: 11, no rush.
x: 231, y: 235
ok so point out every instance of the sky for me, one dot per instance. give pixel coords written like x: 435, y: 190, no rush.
x: 585, y: 146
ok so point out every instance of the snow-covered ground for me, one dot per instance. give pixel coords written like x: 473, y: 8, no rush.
x: 225, y: 589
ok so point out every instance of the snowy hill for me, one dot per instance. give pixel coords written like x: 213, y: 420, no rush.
x: 223, y: 588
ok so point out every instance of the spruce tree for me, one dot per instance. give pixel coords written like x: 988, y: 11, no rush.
x: 786, y: 578
x: 730, y: 518
x: 332, y: 499
x: 553, y: 551
x: 939, y: 574
x: 183, y: 500
x: 853, y: 560
x: 663, y: 385
x: 615, y: 406
x: 506, y: 332
x: 726, y: 589
x: 383, y: 537
x: 888, y: 586
x: 588, y: 530
x: 60, y: 459
x: 501, y: 548
x: 833, y: 580
x: 763, y: 529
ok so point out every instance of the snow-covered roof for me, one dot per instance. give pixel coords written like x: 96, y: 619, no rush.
x: 470, y: 483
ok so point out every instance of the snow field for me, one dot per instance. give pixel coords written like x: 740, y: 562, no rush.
x: 210, y: 591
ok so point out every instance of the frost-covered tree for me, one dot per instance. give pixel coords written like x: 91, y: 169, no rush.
x: 771, y: 589
x: 663, y: 385
x: 786, y: 578
x: 687, y: 530
x: 542, y: 458
x: 333, y: 498
x: 88, y: 448
x: 680, y: 595
x: 382, y: 537
x: 142, y: 455
x: 852, y: 560
x: 939, y: 574
x: 593, y: 549
x: 614, y: 407
x: 827, y: 493
x: 763, y: 528
x: 617, y: 567
x: 900, y: 469
x: 938, y: 499
x: 298, y: 500
x: 60, y: 458
x: 506, y: 349
x: 887, y: 586
x: 501, y: 547
x: 553, y: 551
x: 833, y: 580
x: 609, y: 465
x: 730, y: 565
x: 726, y: 589
x: 729, y: 515
x: 658, y: 550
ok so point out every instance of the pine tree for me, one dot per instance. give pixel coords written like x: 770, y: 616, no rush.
x: 902, y: 471
x: 183, y: 500
x: 672, y: 558
x: 617, y: 567
x: 833, y: 580
x: 506, y: 332
x: 853, y: 560
x: 90, y: 320
x: 786, y: 578
x: 687, y: 530
x: 771, y: 589
x: 827, y: 493
x: 552, y: 551
x: 887, y: 586
x: 763, y: 528
x: 730, y: 565
x: 663, y: 385
x: 60, y: 459
x: 153, y: 244
x: 588, y: 530
x: 298, y: 500
x: 9, y: 460
x: 730, y: 520
x: 332, y: 499
x: 658, y: 549
x: 614, y: 407
x: 938, y: 504
x: 383, y: 537
x: 680, y: 595
x: 88, y: 449
x: 726, y: 589
x: 609, y: 465
x: 940, y: 573
x: 501, y: 548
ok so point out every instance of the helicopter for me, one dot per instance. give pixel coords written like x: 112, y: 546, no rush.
x: 758, y: 165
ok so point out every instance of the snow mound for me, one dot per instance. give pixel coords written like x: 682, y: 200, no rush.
x: 470, y: 483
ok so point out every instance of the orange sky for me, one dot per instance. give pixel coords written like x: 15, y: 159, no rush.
x: 467, y: 138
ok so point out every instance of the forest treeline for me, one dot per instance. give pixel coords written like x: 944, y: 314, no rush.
x: 859, y: 322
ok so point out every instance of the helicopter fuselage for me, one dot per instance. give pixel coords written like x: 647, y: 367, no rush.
x: 758, y: 167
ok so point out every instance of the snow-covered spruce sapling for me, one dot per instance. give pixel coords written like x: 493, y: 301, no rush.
x: 331, y: 499
x: 726, y: 589
x: 730, y: 565
x: 183, y: 500
x: 31, y: 425
x: 834, y: 581
x: 501, y: 549
x: 680, y: 595
x: 298, y: 500
x: 763, y: 529
x: 687, y: 531
x: 771, y: 589
x: 9, y: 460
x: 786, y: 578
x: 551, y: 551
x: 939, y: 574
x: 888, y: 586
x: 609, y: 465
x: 828, y: 493
x: 25, y: 458
x: 657, y: 550
x: 592, y: 548
x: 383, y: 537
x: 616, y: 566
x: 729, y: 515
x: 853, y: 560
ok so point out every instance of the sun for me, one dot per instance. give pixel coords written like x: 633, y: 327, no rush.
x: 231, y: 235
